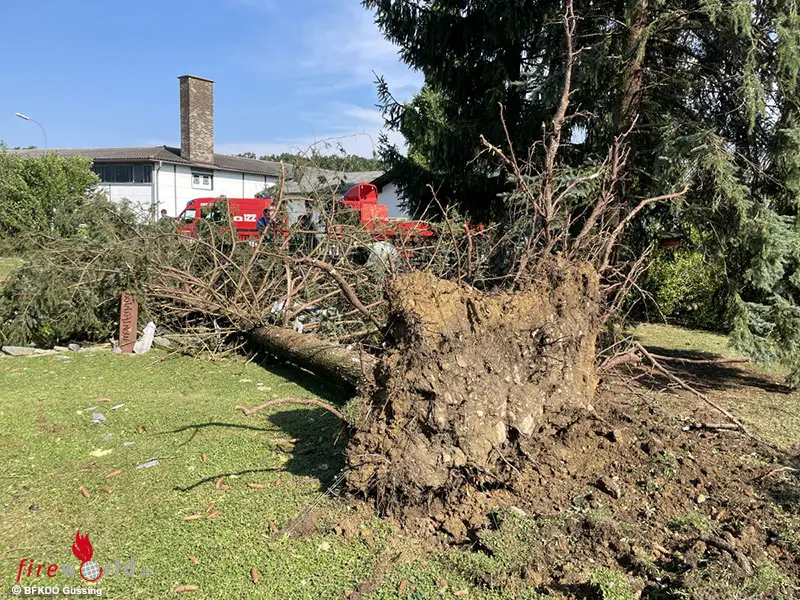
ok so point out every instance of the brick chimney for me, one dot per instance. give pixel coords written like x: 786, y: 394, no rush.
x: 197, y: 119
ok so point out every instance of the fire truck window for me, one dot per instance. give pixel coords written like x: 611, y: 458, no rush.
x: 188, y: 215
x: 211, y: 213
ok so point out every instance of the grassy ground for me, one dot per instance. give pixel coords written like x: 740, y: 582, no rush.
x: 7, y: 265
x: 50, y: 449
x: 752, y: 392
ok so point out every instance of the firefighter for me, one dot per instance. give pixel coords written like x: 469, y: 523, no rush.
x: 266, y: 224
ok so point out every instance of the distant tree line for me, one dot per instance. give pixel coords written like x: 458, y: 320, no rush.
x: 341, y: 161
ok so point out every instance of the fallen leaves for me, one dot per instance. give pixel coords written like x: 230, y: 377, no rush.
x: 273, y: 528
x: 402, y: 587
x: 277, y: 481
x: 141, y: 429
x: 193, y: 517
x: 193, y: 560
x: 106, y: 490
x: 203, y: 458
x: 113, y: 474
x: 219, y: 485
x: 85, y: 492
x: 104, y: 400
x: 254, y: 575
x: 256, y: 486
x: 185, y: 588
x: 209, y: 508
x: 213, y: 514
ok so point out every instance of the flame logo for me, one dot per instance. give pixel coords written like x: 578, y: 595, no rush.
x: 83, y: 551
x: 82, y: 548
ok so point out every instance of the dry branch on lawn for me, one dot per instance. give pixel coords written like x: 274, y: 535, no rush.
x: 303, y: 401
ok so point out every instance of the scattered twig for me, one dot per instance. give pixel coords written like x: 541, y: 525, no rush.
x: 659, y: 367
x: 774, y: 472
x: 719, y: 543
x: 694, y: 361
x: 305, y: 401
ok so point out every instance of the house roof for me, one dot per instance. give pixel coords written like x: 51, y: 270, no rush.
x: 308, y: 180
x: 304, y: 180
x: 166, y: 154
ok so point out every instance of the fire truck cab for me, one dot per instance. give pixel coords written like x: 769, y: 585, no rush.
x: 245, y: 213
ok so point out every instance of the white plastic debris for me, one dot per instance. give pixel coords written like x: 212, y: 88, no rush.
x: 118, y: 406
x: 97, y: 417
x: 298, y: 326
x: 127, y: 444
x: 107, y: 437
x: 146, y: 341
x: 146, y: 465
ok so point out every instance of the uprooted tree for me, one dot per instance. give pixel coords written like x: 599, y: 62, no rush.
x: 708, y: 95
x: 465, y: 348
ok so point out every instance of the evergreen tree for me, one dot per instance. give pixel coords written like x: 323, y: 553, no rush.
x: 707, y: 89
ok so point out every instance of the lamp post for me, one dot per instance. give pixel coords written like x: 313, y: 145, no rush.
x: 27, y: 118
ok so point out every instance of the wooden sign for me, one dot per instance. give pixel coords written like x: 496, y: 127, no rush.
x: 128, y: 319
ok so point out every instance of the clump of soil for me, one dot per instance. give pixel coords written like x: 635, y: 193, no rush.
x: 473, y: 381
x: 484, y: 431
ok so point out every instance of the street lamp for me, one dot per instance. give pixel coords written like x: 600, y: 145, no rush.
x: 27, y: 118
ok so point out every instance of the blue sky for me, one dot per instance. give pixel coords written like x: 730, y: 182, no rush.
x: 288, y: 73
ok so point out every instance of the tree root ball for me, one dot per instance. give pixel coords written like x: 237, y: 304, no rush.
x: 472, y: 380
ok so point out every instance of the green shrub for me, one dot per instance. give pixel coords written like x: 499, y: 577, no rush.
x: 688, y: 289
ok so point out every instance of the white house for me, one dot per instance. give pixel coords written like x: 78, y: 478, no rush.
x: 162, y: 177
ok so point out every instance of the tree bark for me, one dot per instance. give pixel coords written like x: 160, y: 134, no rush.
x: 330, y: 361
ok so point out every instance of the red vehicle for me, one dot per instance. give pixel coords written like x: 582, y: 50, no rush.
x: 363, y: 198
x: 245, y: 213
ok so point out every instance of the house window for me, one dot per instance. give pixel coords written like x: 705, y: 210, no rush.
x: 113, y: 173
x: 202, y: 181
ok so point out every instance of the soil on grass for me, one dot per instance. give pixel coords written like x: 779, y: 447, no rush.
x: 484, y: 431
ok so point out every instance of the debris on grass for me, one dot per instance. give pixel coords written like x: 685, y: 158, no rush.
x: 219, y: 485
x: 113, y: 474
x: 213, y: 514
x: 193, y: 560
x: 256, y: 486
x: 203, y: 458
x: 193, y: 517
x: 185, y: 588
x: 141, y: 429
x: 402, y: 587
x: 98, y: 417
x: 85, y: 492
x: 254, y: 575
x: 106, y: 490
x: 100, y: 452
x: 146, y: 465
x: 118, y: 406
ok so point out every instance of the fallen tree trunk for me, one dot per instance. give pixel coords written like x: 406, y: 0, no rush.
x: 329, y: 361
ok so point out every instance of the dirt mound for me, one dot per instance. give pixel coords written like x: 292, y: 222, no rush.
x: 473, y: 381
x: 484, y: 430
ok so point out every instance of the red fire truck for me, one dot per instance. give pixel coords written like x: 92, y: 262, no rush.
x: 244, y: 211
x: 362, y: 199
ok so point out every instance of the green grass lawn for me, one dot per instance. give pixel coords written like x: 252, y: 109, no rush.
x: 50, y: 449
x: 7, y: 265
x: 753, y: 392
x: 181, y: 409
